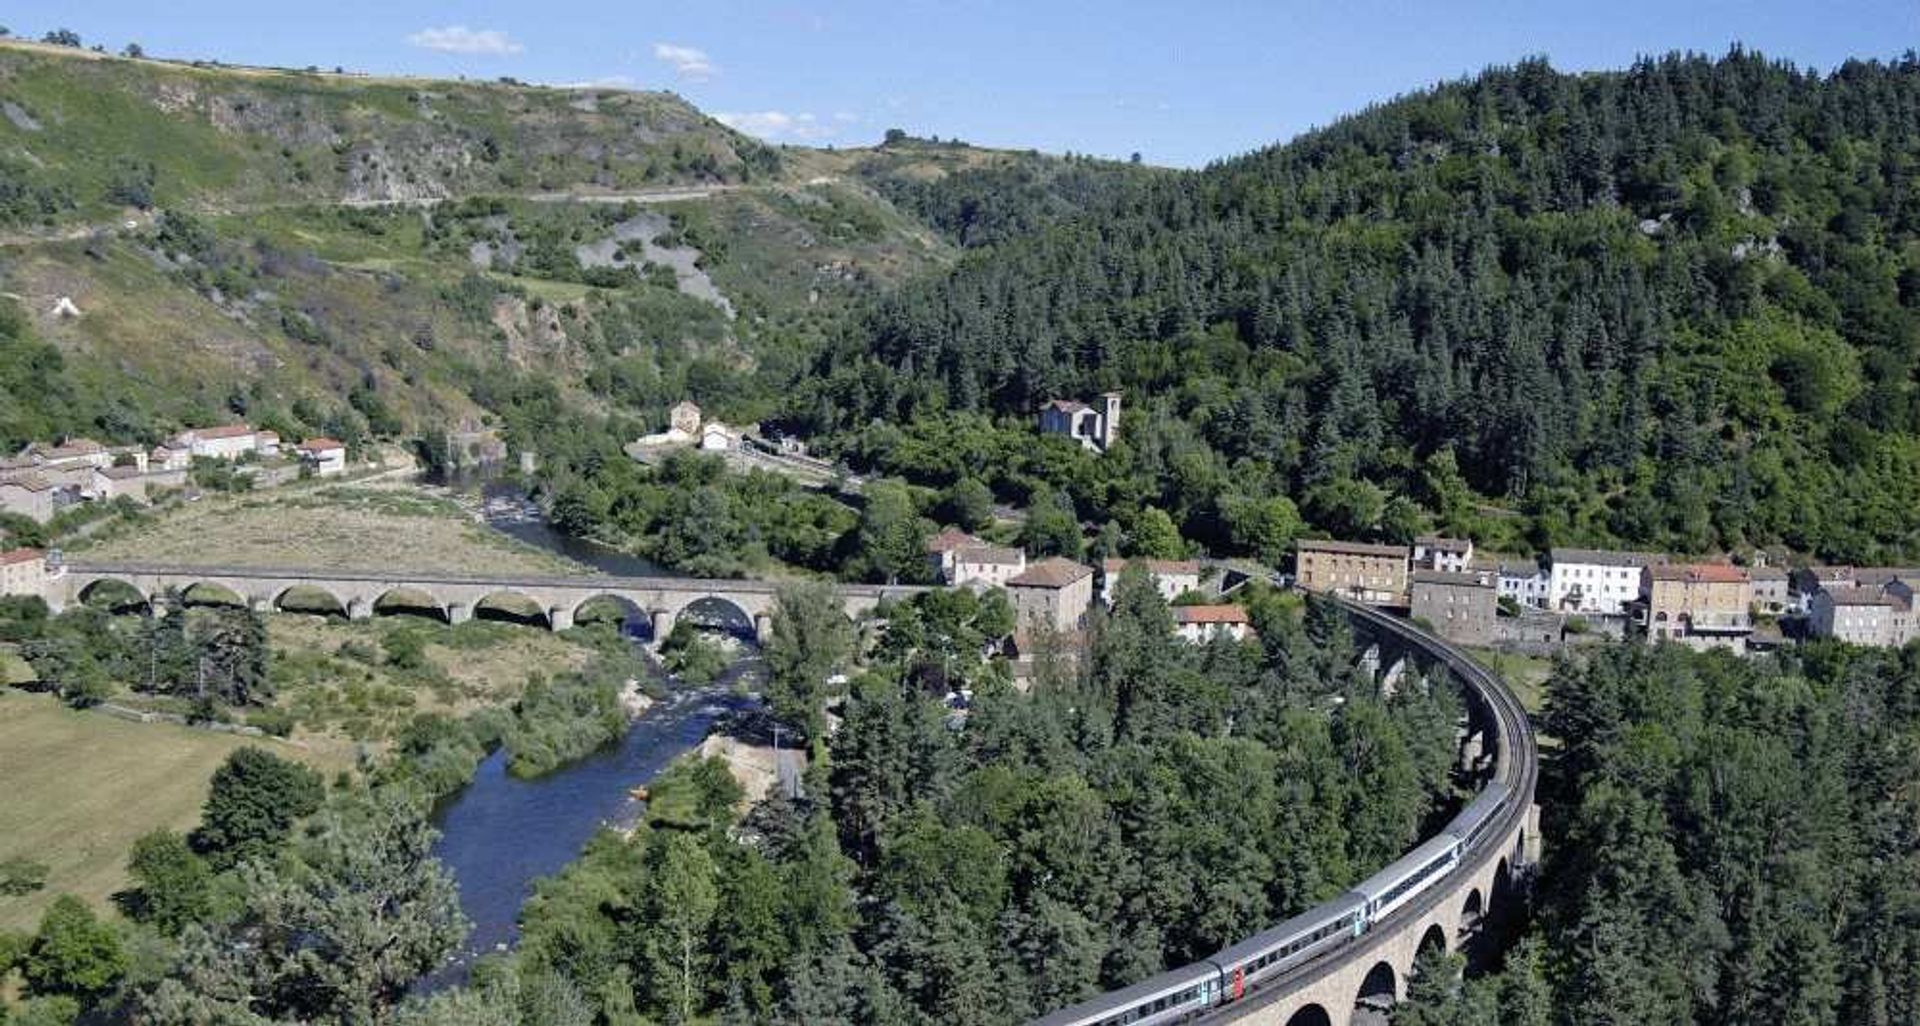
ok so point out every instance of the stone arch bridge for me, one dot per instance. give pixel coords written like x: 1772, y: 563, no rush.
x: 661, y: 601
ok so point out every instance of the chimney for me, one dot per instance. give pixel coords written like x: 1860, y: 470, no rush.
x: 1110, y: 421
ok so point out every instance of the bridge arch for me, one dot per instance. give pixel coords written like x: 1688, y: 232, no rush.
x: 507, y: 606
x: 113, y: 593
x: 212, y: 593
x: 1434, y: 938
x: 1379, y: 989
x: 629, y: 616
x: 1310, y: 1015
x: 1471, y: 910
x: 308, y: 598
x: 408, y: 601
x: 719, y: 612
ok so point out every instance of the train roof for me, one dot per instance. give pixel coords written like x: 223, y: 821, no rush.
x: 1483, y: 805
x: 1095, y: 1009
x: 1405, y: 865
x: 1306, y: 922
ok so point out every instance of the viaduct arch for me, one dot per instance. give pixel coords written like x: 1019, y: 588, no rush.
x: 454, y: 597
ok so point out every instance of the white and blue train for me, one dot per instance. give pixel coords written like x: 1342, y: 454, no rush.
x: 1233, y: 972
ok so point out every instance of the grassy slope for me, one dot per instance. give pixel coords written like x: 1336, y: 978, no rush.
x: 354, y: 528
x: 83, y: 786
x: 221, y: 138
x: 264, y: 159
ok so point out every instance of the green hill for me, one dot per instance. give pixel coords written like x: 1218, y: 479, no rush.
x: 1674, y: 306
x: 326, y: 252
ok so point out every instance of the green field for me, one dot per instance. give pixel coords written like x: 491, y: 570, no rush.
x: 82, y: 786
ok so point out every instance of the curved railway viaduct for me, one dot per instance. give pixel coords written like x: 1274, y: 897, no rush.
x: 358, y: 593
x: 1355, y: 983
x: 1375, y: 969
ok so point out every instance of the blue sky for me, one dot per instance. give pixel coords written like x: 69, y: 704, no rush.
x: 1179, y: 82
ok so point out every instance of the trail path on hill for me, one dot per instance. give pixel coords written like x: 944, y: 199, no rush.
x: 668, y: 194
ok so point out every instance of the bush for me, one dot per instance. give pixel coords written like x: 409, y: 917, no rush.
x: 21, y: 875
x: 275, y: 721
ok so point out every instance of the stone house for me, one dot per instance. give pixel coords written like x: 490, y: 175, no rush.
x: 1434, y: 552
x: 1375, y: 574
x: 1860, y: 616
x: 23, y: 572
x: 30, y: 494
x: 942, y: 548
x: 1595, y: 581
x: 1700, y: 605
x: 1771, y: 594
x: 1201, y: 624
x: 1053, y: 592
x: 1097, y: 430
x: 986, y: 566
x: 1460, y: 607
x: 1173, y: 577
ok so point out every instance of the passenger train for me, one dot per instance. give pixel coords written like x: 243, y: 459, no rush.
x: 1236, y: 971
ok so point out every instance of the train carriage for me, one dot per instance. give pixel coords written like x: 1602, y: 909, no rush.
x: 1244, y: 966
x: 1412, y: 873
x: 1170, y: 997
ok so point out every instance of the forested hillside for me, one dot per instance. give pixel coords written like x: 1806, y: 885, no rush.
x: 1675, y: 306
x: 1729, y: 842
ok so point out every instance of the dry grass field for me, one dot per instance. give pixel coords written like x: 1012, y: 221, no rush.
x: 356, y: 528
x: 82, y: 786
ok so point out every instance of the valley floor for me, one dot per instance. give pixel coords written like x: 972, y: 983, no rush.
x: 82, y: 786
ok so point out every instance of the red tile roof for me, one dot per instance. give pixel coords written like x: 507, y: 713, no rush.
x: 1210, y: 614
x: 1351, y: 548
x: 13, y: 556
x: 320, y: 445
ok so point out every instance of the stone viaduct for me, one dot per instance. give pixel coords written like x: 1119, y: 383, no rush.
x: 659, y: 601
x: 1358, y: 982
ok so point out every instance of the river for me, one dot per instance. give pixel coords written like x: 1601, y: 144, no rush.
x: 499, y: 834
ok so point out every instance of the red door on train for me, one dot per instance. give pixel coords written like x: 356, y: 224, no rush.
x: 1239, y: 983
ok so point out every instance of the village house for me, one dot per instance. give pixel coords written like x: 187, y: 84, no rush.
x: 986, y: 566
x: 1054, y: 593
x: 942, y: 549
x: 1433, y: 552
x: 30, y: 494
x: 226, y: 442
x: 23, y: 572
x: 1524, y: 583
x: 1805, y: 582
x: 1595, y: 581
x: 1771, y: 594
x: 1201, y: 624
x: 109, y: 483
x: 1375, y: 574
x: 1862, y: 616
x: 1700, y: 605
x: 1459, y: 606
x: 1097, y: 430
x: 1173, y: 577
x: 327, y: 456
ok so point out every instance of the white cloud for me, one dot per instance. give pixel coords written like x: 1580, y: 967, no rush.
x: 603, y: 82
x: 688, y: 61
x: 777, y: 125
x: 461, y: 39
